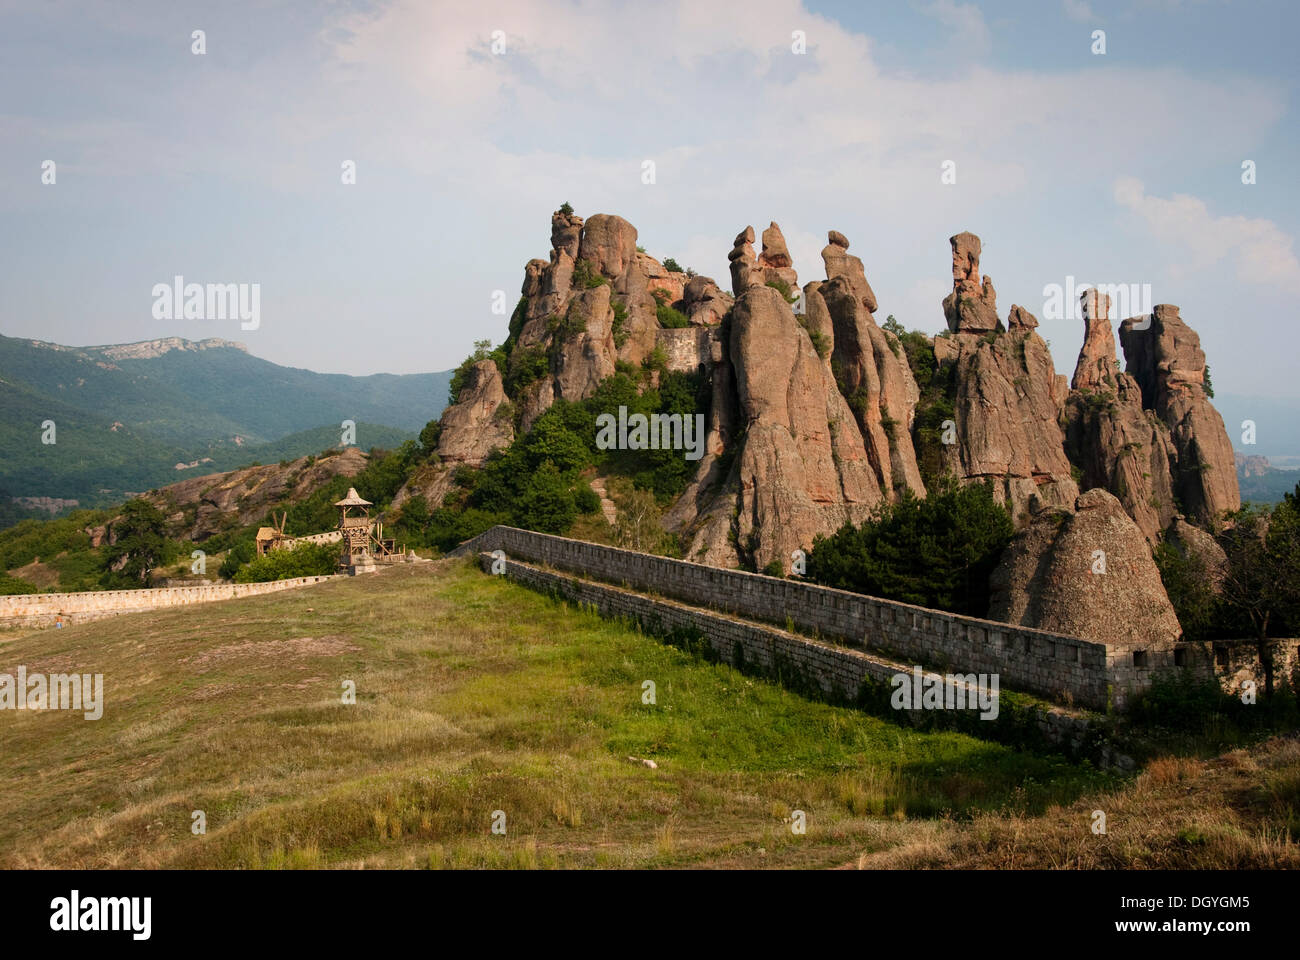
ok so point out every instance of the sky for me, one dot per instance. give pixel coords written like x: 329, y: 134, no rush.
x: 226, y: 166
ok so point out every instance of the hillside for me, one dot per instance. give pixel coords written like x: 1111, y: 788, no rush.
x: 475, y: 695
x: 1261, y: 482
x: 127, y: 414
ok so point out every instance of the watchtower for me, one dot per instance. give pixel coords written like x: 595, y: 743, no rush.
x: 354, y: 525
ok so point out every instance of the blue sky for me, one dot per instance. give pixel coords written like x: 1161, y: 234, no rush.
x: 225, y: 167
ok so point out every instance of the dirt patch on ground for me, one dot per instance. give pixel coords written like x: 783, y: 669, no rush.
x: 298, y: 648
x: 37, y: 574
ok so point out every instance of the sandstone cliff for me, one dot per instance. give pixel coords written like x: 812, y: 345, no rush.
x: 1117, y: 443
x: 1007, y: 397
x: 1164, y: 356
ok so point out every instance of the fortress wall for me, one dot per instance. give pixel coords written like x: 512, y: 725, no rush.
x: 45, y: 609
x: 839, y: 672
x: 1048, y: 664
x: 329, y: 536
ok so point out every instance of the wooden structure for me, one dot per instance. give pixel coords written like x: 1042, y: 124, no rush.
x: 354, y: 525
x: 364, y: 544
x: 272, y: 538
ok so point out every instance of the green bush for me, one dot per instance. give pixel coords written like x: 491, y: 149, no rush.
x: 937, y: 552
x: 526, y: 367
x: 619, y: 326
x: 10, y: 586
x: 670, y: 318
x: 586, y: 275
x: 304, y: 560
x: 671, y: 265
x: 236, y: 557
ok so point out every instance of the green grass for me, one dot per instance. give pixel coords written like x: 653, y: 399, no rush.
x: 473, y: 695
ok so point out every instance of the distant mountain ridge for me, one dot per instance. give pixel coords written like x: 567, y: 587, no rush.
x: 126, y: 414
x: 1261, y: 482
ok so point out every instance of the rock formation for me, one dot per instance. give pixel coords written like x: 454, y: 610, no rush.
x: 801, y: 469
x: 1195, y: 544
x: 1007, y: 398
x: 972, y: 307
x: 840, y: 263
x: 703, y: 302
x: 869, y: 366
x: 743, y: 262
x: 774, y: 262
x: 1164, y: 357
x: 197, y: 508
x: 479, y: 423
x: 811, y: 418
x: 1117, y: 444
x: 1085, y: 571
x: 476, y: 426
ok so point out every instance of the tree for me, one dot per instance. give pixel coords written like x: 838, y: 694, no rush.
x: 138, y: 539
x: 430, y: 435
x: 639, y: 524
x: 304, y: 560
x: 937, y: 552
x: 1192, y: 590
x: 1248, y: 587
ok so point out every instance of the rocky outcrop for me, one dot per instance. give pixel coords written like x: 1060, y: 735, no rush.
x: 1111, y: 439
x: 972, y: 307
x: 584, y: 350
x: 1006, y: 410
x: 589, y: 306
x: 608, y: 243
x: 774, y: 262
x: 842, y: 264
x: 743, y: 262
x: 1252, y: 466
x: 1086, y: 571
x: 704, y: 302
x: 671, y: 284
x: 479, y: 422
x: 566, y: 233
x: 811, y: 417
x: 199, y: 507
x: 869, y: 367
x: 1164, y: 357
x: 801, y: 469
x: 1195, y: 544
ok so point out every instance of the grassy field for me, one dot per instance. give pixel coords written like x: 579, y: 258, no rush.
x: 474, y: 695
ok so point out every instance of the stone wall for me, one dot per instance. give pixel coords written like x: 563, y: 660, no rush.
x: 840, y: 673
x: 329, y: 536
x: 1236, y: 661
x: 1058, y: 667
x: 47, y: 609
x: 684, y: 348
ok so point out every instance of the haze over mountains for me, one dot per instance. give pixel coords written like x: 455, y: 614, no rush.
x: 127, y: 415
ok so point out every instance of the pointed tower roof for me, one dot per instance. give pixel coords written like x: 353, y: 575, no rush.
x: 353, y: 500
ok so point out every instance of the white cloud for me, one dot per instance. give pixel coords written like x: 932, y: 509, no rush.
x: 966, y: 21
x: 1079, y: 11
x: 1260, y: 251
